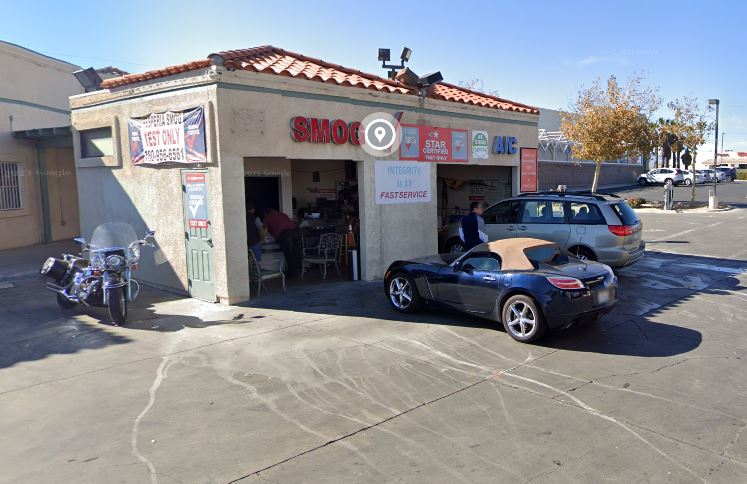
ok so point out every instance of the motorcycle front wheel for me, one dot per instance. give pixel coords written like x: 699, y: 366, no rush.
x: 117, y: 305
x: 65, y: 303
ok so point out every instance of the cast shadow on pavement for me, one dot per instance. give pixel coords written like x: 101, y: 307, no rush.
x: 659, y: 284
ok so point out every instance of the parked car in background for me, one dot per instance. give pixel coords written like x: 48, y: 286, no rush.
x: 730, y: 174
x: 660, y: 176
x: 720, y: 176
x: 526, y: 284
x: 706, y: 176
x: 589, y: 226
x: 693, y: 176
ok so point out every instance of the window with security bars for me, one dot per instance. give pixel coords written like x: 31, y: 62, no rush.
x: 10, y: 186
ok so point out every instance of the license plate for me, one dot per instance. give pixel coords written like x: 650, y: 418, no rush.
x: 603, y: 296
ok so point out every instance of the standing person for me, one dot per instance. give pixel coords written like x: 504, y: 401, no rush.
x: 255, y: 231
x: 286, y: 232
x: 472, y: 232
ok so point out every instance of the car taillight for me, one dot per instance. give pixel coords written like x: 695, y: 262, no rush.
x: 621, y: 230
x: 566, y: 282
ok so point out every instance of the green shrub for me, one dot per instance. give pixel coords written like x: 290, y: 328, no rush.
x: 741, y: 174
x: 636, y: 202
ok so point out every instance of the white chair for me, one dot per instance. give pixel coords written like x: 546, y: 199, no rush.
x: 256, y: 273
x: 324, y: 254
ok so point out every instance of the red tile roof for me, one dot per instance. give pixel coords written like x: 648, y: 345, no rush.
x: 273, y: 60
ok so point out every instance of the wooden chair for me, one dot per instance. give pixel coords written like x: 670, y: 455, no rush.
x: 259, y: 275
x: 325, y: 253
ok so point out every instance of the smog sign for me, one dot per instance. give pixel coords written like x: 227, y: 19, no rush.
x: 196, y: 192
x: 402, y: 182
x: 170, y: 137
x: 480, y: 145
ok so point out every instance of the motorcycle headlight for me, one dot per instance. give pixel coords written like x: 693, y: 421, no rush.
x: 133, y: 253
x: 115, y: 261
x: 97, y: 261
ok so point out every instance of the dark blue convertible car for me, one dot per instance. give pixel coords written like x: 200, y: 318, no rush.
x: 527, y: 284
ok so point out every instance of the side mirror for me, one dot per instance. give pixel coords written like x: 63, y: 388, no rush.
x: 80, y: 240
x: 150, y: 234
x: 457, y: 266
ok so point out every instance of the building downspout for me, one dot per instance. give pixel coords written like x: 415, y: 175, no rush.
x: 44, y: 193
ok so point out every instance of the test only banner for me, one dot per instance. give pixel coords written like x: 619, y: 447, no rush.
x: 528, y: 171
x: 429, y: 143
x: 196, y: 188
x: 170, y: 137
x: 402, y: 182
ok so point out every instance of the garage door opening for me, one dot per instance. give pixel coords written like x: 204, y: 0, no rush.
x: 460, y: 185
x: 320, y: 197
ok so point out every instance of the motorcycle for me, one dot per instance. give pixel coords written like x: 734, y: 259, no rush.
x: 101, y: 275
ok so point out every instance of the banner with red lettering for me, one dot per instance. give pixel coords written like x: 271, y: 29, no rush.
x: 528, y: 171
x: 429, y: 143
x: 169, y: 137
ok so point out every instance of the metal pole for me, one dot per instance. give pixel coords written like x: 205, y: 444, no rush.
x: 715, y: 152
x: 722, y: 141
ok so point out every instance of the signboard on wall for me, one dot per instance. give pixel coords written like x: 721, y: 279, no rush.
x: 528, y: 170
x: 169, y: 137
x: 402, y: 182
x: 480, y: 145
x: 196, y: 198
x: 432, y: 144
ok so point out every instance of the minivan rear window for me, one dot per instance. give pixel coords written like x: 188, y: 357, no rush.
x: 626, y: 214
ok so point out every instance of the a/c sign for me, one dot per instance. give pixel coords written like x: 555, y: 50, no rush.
x: 504, y: 145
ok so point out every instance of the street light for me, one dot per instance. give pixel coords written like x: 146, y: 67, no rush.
x: 714, y: 204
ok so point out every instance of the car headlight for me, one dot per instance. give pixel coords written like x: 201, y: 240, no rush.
x: 97, y: 261
x: 115, y: 261
x: 133, y: 253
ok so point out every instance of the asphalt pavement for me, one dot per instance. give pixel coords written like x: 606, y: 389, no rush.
x: 730, y: 193
x: 327, y: 384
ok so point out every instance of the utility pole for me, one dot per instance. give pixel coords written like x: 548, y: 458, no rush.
x: 713, y: 201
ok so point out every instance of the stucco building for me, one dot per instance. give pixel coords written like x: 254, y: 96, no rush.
x: 280, y: 129
x: 38, y: 194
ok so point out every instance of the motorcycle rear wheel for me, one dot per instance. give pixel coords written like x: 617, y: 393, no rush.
x: 65, y: 303
x: 117, y: 305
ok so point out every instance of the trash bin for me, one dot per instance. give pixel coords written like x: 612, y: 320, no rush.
x: 354, y: 265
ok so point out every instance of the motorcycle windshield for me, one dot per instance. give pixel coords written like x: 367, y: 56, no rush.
x: 113, y: 235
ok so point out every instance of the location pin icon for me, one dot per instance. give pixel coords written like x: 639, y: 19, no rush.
x: 379, y: 132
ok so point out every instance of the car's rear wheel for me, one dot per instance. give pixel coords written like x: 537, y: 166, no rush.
x: 522, y: 319
x: 688, y: 182
x: 642, y: 182
x: 454, y: 246
x: 669, y: 180
x: 582, y: 253
x: 402, y: 293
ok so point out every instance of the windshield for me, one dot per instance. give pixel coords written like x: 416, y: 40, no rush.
x: 113, y: 235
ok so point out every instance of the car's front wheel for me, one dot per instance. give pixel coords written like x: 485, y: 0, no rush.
x: 688, y: 182
x: 642, y: 182
x: 402, y: 293
x: 522, y: 319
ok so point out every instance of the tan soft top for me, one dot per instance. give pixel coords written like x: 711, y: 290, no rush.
x: 511, y: 252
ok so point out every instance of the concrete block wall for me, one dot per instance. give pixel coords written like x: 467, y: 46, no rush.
x: 581, y: 175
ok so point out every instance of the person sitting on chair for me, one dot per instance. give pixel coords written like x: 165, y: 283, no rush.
x: 286, y: 232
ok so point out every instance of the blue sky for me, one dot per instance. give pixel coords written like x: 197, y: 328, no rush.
x: 537, y: 52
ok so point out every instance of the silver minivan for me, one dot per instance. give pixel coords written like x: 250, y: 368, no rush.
x: 588, y: 226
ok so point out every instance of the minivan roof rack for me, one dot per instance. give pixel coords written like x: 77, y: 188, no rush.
x: 595, y: 195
